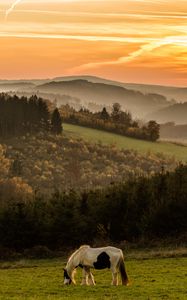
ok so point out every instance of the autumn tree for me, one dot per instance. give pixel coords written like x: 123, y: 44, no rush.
x: 153, y: 129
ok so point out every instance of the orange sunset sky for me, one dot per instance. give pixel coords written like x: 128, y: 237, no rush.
x: 142, y: 41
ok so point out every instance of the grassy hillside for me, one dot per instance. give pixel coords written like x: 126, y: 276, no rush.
x: 151, y: 279
x: 93, y: 135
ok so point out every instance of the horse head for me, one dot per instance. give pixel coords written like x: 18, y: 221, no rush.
x: 67, y: 279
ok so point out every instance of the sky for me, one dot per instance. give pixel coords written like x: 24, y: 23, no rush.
x: 141, y: 41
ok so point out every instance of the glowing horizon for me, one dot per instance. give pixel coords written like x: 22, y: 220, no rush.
x: 142, y: 41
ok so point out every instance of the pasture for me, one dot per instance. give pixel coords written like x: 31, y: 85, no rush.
x: 151, y: 279
x: 94, y: 135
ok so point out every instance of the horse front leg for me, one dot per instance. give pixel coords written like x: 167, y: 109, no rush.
x: 91, y: 278
x: 84, y: 277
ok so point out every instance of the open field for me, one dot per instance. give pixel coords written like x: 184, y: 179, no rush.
x: 94, y: 135
x: 152, y: 279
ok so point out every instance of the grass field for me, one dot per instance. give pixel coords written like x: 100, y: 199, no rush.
x: 151, y: 279
x: 93, y: 135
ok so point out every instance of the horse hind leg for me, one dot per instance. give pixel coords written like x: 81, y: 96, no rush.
x: 114, y: 277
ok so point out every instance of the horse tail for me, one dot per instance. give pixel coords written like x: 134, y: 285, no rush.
x: 124, y: 277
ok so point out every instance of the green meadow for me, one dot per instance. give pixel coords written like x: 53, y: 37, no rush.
x: 151, y: 279
x: 160, y: 275
x: 94, y: 135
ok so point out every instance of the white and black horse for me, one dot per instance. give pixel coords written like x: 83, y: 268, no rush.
x: 97, y: 258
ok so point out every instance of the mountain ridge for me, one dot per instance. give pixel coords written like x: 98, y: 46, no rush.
x: 102, y: 93
x: 179, y: 93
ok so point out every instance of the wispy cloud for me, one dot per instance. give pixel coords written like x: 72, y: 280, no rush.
x: 11, y: 8
x: 121, y: 60
x: 146, y: 48
x: 143, y: 15
x: 74, y: 37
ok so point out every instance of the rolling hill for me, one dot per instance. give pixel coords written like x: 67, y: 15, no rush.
x: 170, y: 92
x: 142, y: 147
x: 144, y: 101
x: 101, y: 93
x: 16, y: 86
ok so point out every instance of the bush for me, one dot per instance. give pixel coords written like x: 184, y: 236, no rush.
x: 38, y: 252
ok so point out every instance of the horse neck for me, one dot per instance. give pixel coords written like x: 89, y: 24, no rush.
x: 74, y: 259
x: 72, y: 263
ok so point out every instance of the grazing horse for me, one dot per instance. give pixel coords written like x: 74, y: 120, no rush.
x: 97, y: 258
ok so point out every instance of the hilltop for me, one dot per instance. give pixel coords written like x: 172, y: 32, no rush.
x: 90, y: 89
x: 142, y: 100
x: 101, y: 93
x: 170, y: 92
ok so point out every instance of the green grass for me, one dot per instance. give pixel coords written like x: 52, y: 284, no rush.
x: 43, y: 279
x: 94, y: 135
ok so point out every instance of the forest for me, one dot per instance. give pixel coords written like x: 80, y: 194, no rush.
x: 46, y: 162
x: 139, y: 208
x: 118, y: 121
x: 23, y: 115
x: 57, y: 190
x: 30, y: 115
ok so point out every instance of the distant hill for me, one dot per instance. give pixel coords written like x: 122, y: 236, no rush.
x: 176, y: 113
x: 141, y: 99
x: 177, y: 93
x: 15, y: 86
x: 102, y: 93
x: 170, y: 92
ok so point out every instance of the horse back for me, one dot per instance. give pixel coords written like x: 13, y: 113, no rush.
x: 101, y: 258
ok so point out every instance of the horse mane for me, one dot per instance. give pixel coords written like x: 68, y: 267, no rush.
x: 77, y: 251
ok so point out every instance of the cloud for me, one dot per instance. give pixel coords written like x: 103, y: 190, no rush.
x: 91, y: 38
x: 11, y: 8
x: 144, y: 49
x: 124, y: 59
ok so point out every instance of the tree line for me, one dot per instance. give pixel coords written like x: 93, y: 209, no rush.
x: 118, y: 121
x: 23, y: 115
x: 144, y: 207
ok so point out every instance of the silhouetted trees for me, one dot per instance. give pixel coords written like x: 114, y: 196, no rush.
x: 104, y: 114
x: 118, y: 121
x: 56, y: 122
x: 139, y: 208
x: 26, y: 115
